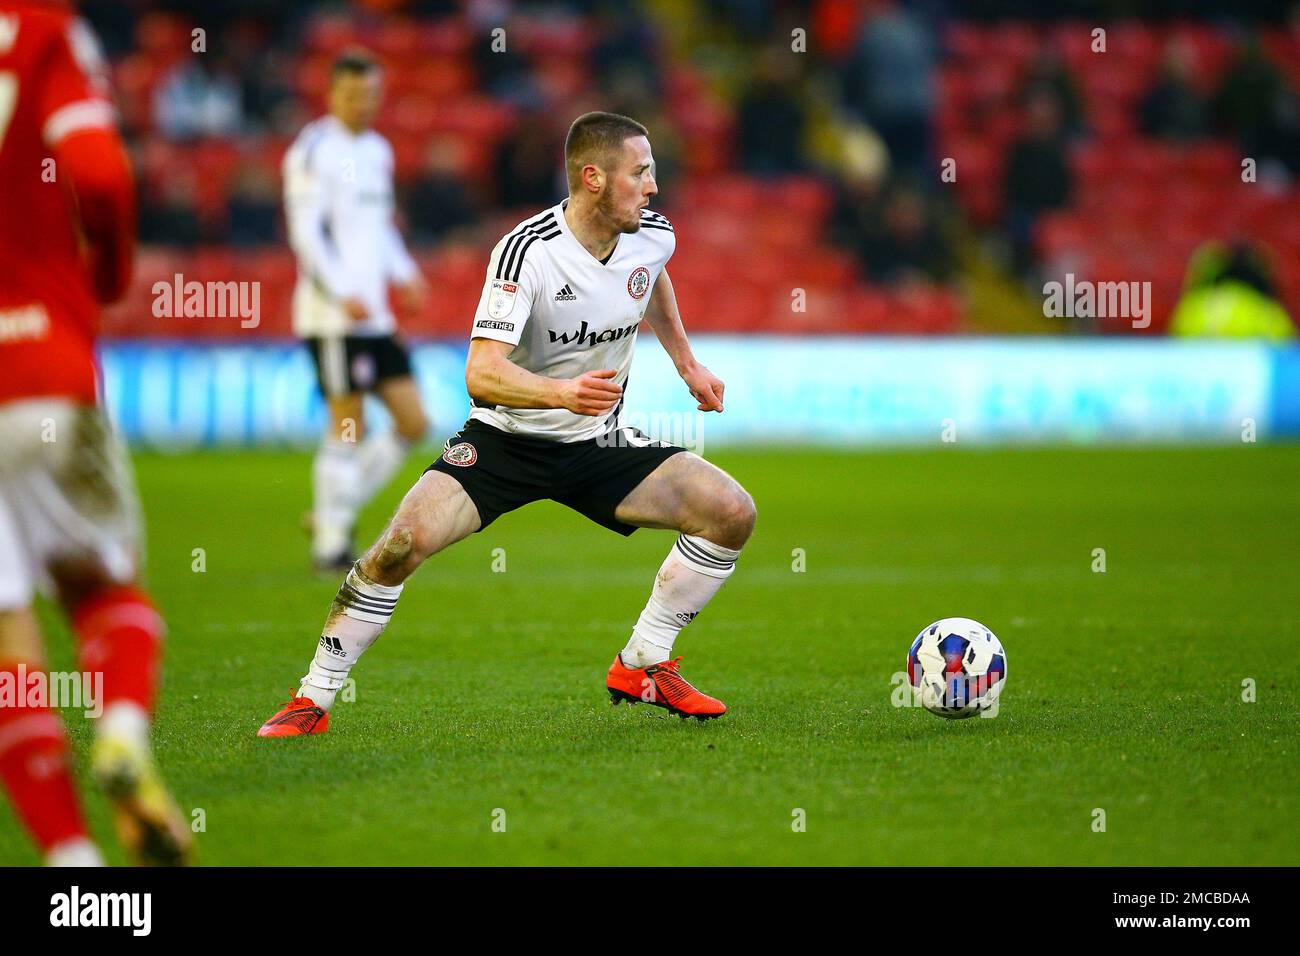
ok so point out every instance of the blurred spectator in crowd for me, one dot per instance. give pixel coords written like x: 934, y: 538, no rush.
x: 1229, y: 293
x: 528, y: 164
x: 631, y: 94
x: 890, y: 81
x: 201, y: 96
x: 433, y: 8
x: 503, y: 71
x: 1255, y: 104
x: 262, y: 71
x: 1037, y: 176
x: 771, y: 116
x: 910, y: 246
x: 891, y: 227
x: 905, y: 244
x: 1173, y: 109
x: 1046, y: 73
x: 836, y: 25
x: 113, y: 22
x: 438, y: 201
x: 750, y: 18
x: 862, y: 167
x: 172, y: 217
x: 254, y: 206
x: 626, y: 45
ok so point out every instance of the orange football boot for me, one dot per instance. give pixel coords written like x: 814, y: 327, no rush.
x: 297, y: 718
x: 661, y: 685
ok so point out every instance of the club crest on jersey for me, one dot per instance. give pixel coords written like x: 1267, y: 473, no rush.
x: 501, y: 298
x: 462, y: 455
x: 638, y: 283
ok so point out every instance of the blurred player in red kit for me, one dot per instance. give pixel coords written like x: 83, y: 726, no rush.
x: 69, y: 518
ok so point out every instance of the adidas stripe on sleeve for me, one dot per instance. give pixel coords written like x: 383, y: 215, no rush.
x: 511, y: 285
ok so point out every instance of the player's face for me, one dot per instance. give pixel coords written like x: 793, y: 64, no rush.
x: 355, y: 98
x: 630, y: 185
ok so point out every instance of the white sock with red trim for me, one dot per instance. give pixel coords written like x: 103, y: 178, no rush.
x: 693, y: 572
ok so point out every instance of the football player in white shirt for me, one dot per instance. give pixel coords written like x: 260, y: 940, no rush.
x: 338, y: 192
x: 551, y: 346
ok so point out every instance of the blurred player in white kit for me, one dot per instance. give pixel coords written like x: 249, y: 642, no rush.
x: 338, y: 196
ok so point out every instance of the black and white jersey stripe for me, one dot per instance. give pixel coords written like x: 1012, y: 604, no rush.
x: 653, y: 220
x: 511, y: 261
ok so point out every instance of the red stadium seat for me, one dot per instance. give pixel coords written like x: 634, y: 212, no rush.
x: 396, y: 39
x: 329, y: 33
x: 447, y: 37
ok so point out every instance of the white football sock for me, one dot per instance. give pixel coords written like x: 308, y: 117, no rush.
x: 687, y: 580
x: 360, y: 613
x: 125, y: 720
x: 336, y: 481
x: 381, y: 455
x: 75, y: 852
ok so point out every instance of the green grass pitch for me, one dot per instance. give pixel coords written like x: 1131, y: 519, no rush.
x: 1125, y: 688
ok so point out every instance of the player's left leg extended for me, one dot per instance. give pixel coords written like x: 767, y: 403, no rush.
x: 715, y: 517
x: 435, y: 514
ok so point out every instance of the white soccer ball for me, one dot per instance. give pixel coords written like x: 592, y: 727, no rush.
x: 958, y: 668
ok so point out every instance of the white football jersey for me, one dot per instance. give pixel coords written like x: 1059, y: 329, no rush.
x: 566, y: 312
x: 338, y: 200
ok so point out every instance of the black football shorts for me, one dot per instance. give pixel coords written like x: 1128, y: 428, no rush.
x: 501, y: 472
x: 346, y: 364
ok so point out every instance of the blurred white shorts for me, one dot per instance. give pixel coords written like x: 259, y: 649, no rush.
x: 66, y: 495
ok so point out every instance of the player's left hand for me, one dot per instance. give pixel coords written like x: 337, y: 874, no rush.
x: 706, y: 388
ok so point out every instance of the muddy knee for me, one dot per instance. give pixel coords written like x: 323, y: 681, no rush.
x: 393, y: 557
x: 395, y: 549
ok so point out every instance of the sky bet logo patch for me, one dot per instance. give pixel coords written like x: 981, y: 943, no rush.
x: 501, y: 298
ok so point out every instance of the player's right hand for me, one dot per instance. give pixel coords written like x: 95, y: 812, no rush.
x: 355, y: 309
x: 591, y: 393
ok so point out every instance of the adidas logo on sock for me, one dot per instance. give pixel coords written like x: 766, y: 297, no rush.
x: 333, y: 645
x: 565, y: 294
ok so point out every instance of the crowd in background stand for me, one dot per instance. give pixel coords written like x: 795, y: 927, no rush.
x: 857, y: 109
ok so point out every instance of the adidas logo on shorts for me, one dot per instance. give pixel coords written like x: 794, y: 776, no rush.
x: 565, y: 294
